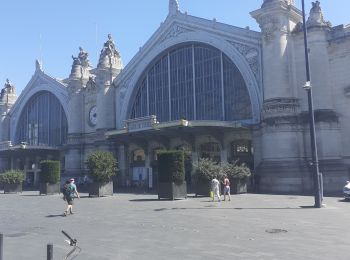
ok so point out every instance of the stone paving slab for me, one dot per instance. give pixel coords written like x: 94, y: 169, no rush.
x: 139, y: 226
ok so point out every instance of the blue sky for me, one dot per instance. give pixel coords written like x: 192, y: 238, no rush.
x: 53, y: 30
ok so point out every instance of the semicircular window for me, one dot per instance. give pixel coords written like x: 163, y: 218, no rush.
x: 192, y: 81
x: 42, y: 122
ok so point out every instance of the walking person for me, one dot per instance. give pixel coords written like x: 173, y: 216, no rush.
x: 215, y: 188
x: 70, y: 192
x: 227, y: 189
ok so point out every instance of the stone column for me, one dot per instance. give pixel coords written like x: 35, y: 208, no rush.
x: 74, y: 149
x: 109, y: 66
x: 279, y: 136
x: 122, y: 163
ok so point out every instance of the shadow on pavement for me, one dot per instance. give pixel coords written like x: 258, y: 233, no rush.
x: 54, y: 216
x: 215, y: 207
x: 143, y: 200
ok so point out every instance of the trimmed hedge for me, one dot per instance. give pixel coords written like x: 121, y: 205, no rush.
x: 171, y: 167
x: 12, y: 177
x: 102, y: 166
x: 50, y: 171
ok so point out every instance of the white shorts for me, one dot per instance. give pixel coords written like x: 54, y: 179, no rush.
x: 227, y: 189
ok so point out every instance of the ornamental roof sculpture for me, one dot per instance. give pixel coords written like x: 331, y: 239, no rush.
x: 109, y: 56
x: 82, y: 59
x: 316, y: 17
x: 81, y: 65
x: 109, y: 48
x: 91, y: 84
x: 173, y: 7
x: 38, y: 65
x: 8, y: 88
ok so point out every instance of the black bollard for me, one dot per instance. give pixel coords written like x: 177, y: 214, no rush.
x: 1, y: 246
x: 49, y: 252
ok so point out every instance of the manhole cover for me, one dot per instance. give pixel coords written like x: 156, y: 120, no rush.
x: 275, y: 230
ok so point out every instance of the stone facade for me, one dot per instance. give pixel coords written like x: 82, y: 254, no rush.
x: 274, y: 141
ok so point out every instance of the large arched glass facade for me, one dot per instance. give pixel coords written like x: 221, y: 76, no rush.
x: 42, y: 122
x: 192, y: 81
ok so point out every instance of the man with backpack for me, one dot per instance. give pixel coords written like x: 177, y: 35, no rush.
x: 69, y: 193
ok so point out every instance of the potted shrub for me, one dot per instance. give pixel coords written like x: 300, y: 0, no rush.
x: 203, y: 174
x: 102, y: 167
x: 171, y: 175
x: 49, y: 177
x: 12, y: 181
x: 238, y: 175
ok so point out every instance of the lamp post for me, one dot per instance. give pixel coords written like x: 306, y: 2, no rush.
x: 308, y: 88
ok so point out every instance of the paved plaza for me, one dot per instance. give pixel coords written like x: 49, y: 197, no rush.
x: 139, y: 226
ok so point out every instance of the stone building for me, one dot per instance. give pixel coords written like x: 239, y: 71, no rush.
x: 211, y: 89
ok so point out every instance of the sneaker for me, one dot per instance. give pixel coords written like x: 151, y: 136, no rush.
x: 65, y: 214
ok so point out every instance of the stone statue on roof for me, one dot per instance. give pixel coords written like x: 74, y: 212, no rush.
x: 8, y: 88
x: 109, y: 48
x: 83, y: 58
x: 76, y: 61
x: 316, y: 16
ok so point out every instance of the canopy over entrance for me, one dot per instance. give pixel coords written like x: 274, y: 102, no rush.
x: 148, y: 127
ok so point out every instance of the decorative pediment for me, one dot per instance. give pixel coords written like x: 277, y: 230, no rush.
x: 175, y: 31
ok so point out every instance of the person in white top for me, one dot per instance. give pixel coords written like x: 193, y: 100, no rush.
x: 215, y: 188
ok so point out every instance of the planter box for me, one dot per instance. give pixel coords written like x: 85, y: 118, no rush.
x: 169, y: 190
x: 12, y: 188
x: 100, y: 189
x: 202, y: 189
x: 238, y: 186
x: 49, y: 189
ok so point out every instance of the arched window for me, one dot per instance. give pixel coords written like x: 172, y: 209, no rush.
x: 42, y: 122
x: 192, y: 81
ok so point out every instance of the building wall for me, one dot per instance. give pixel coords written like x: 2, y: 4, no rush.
x: 272, y: 64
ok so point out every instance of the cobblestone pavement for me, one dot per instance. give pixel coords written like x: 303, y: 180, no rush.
x: 139, y: 226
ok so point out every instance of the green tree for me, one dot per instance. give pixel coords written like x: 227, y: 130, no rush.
x: 206, y: 170
x: 102, y: 166
x: 234, y: 171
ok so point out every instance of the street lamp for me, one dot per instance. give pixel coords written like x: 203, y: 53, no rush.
x: 308, y: 87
